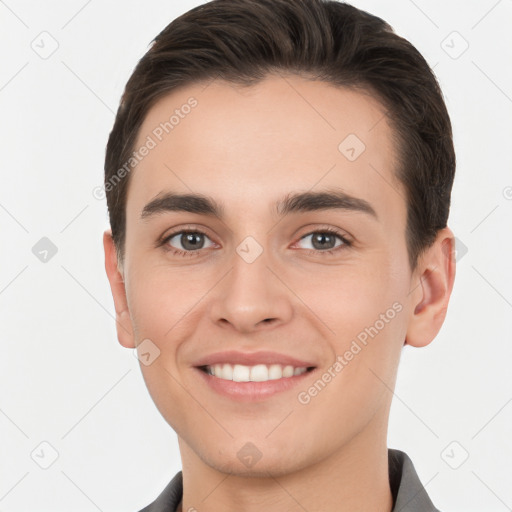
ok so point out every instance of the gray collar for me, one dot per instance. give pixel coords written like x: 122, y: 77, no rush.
x: 409, y: 495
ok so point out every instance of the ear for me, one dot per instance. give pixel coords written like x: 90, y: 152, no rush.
x: 116, y: 279
x: 432, y: 286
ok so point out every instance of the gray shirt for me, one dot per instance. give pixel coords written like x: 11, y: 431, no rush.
x: 409, y: 495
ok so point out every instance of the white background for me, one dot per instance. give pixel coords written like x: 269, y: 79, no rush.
x: 65, y: 380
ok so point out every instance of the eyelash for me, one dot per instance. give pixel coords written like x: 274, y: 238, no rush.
x: 178, y: 252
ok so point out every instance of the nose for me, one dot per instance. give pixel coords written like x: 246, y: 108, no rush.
x: 251, y: 297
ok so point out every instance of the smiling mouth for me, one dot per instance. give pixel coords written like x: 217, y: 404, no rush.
x: 255, y: 373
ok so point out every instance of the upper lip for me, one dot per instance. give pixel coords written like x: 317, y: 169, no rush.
x: 252, y: 359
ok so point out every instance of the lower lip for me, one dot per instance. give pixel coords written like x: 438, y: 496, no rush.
x: 252, y: 391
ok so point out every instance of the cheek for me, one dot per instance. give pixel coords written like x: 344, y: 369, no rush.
x: 363, y: 309
x: 161, y: 297
x: 349, y: 297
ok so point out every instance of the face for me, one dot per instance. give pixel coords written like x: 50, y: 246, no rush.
x: 324, y: 280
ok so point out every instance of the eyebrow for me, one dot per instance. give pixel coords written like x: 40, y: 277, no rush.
x: 297, y: 202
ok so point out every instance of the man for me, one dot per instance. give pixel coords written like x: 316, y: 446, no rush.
x: 278, y: 181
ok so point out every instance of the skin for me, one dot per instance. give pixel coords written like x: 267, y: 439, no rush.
x: 247, y: 148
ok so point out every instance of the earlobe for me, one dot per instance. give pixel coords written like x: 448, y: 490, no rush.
x: 432, y: 290
x: 123, y: 319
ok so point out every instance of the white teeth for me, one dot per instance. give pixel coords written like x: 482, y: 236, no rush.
x: 275, y: 371
x: 227, y: 371
x: 241, y: 373
x: 257, y: 373
x: 288, y: 371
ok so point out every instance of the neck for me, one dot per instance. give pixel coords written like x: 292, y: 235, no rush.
x: 355, y: 477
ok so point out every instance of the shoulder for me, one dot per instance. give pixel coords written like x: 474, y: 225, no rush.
x: 409, y: 494
x: 169, y: 498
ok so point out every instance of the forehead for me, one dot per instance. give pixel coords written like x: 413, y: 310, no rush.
x: 252, y: 145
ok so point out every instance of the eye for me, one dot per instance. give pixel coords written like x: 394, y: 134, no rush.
x: 190, y: 242
x: 187, y: 241
x: 324, y: 241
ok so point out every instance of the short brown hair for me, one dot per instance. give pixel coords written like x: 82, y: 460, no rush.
x: 242, y: 41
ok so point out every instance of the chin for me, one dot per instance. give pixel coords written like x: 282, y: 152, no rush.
x: 249, y: 461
